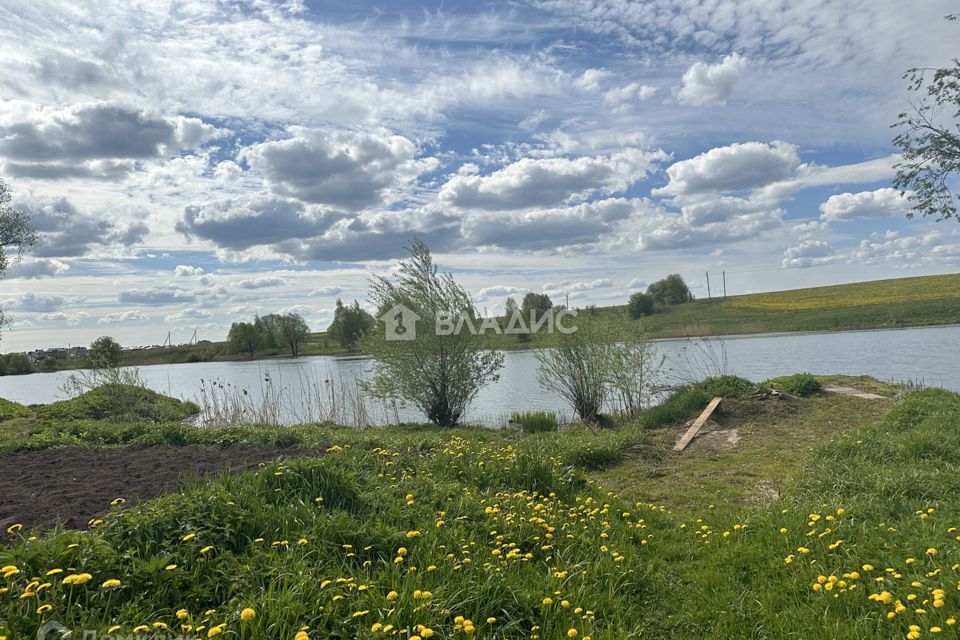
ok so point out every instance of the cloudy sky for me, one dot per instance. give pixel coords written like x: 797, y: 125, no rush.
x: 194, y: 162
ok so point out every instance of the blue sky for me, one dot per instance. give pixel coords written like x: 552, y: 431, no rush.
x: 191, y: 163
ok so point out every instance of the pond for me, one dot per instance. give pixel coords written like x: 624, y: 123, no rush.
x: 310, y: 388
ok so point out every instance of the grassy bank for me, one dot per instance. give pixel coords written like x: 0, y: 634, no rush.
x: 831, y: 517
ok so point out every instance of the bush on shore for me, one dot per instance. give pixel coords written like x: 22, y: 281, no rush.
x: 799, y: 384
x: 120, y: 403
x: 10, y: 410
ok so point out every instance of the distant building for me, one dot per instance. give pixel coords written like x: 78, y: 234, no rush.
x: 57, y: 353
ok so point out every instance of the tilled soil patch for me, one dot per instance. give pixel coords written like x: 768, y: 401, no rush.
x: 72, y: 485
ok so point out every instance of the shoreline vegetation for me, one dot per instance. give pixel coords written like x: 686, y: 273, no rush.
x: 804, y: 513
x: 919, y: 301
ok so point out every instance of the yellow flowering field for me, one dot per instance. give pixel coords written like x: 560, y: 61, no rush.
x: 418, y: 533
x: 878, y: 292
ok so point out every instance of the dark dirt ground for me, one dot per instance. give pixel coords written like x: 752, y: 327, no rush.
x: 72, y: 485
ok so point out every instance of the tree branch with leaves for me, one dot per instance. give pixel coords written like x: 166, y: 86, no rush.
x: 929, y: 140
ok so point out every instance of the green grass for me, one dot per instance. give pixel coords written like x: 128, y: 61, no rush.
x: 717, y: 542
x: 535, y: 421
x: 10, y: 410
x: 119, y: 402
x: 882, y: 304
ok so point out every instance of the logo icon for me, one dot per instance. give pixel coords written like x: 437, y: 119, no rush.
x: 401, y: 323
x: 52, y: 630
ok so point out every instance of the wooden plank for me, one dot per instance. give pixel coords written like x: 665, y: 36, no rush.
x: 695, y: 427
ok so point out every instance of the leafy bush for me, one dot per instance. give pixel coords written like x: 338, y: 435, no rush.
x: 799, y: 384
x: 639, y: 305
x: 727, y: 386
x: 10, y: 410
x: 120, y: 402
x: 535, y: 421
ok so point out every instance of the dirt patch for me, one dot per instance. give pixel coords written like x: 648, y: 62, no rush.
x: 72, y: 485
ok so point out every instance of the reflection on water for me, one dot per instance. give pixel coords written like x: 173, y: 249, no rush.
x: 928, y: 354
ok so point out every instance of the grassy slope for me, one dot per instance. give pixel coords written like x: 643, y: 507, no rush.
x: 701, y: 551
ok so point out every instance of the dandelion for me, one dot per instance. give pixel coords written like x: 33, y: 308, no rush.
x: 44, y: 609
x: 110, y: 584
x: 248, y: 614
x: 182, y: 614
x: 572, y: 633
x: 215, y: 631
x: 491, y: 620
x: 170, y: 567
x: 12, y: 529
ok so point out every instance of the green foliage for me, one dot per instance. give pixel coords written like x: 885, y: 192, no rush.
x: 535, y: 421
x: 671, y: 290
x: 16, y: 233
x: 640, y: 305
x: 119, y: 402
x: 538, y: 303
x: 597, y: 362
x: 350, y: 323
x: 15, y: 364
x: 799, y: 384
x: 930, y: 160
x: 245, y: 337
x: 104, y: 352
x: 439, y: 372
x: 10, y: 410
x: 727, y: 386
x: 286, y: 331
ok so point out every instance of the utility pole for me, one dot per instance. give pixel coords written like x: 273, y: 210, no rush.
x: 708, y: 285
x: 724, y: 284
x: 568, y: 300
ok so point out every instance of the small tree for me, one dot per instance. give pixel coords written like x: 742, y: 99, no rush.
x: 671, y: 290
x: 438, y: 372
x: 577, y: 367
x: 104, y: 352
x: 930, y: 141
x: 244, y: 337
x: 639, y: 305
x: 539, y: 303
x: 635, y: 367
x: 349, y: 324
x: 293, y: 329
x: 596, y: 362
x: 15, y: 233
x: 268, y: 327
x: 17, y: 364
